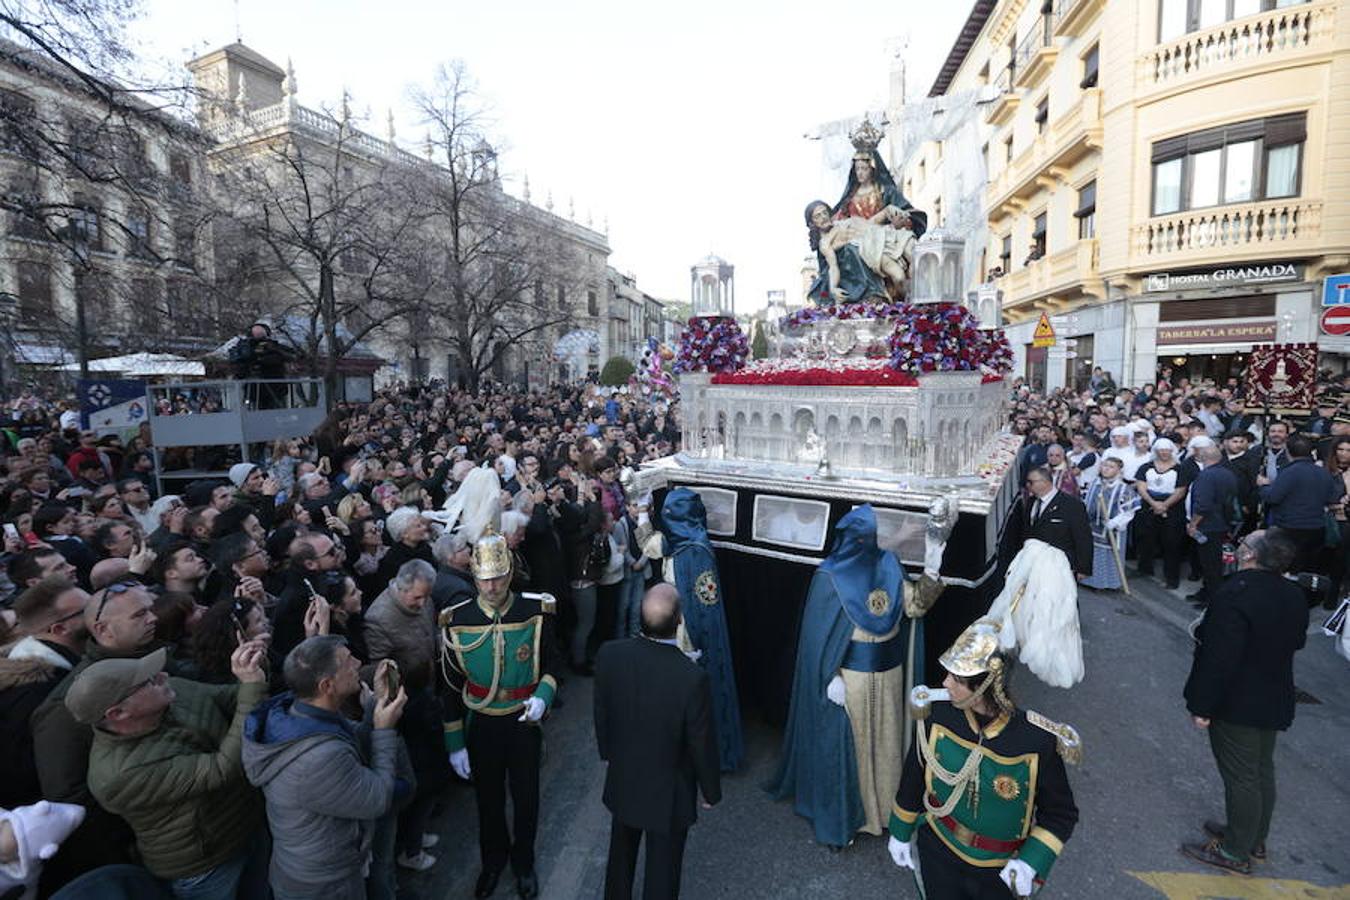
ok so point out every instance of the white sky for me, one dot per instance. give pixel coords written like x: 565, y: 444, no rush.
x: 681, y: 122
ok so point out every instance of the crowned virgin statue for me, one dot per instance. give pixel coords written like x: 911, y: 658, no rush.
x: 881, y: 227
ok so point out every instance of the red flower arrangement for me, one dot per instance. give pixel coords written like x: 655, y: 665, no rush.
x: 945, y: 337
x: 712, y: 344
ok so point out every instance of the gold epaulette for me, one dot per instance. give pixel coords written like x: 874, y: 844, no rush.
x: 1070, y: 744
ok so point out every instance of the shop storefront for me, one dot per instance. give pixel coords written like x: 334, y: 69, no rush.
x: 1203, y: 323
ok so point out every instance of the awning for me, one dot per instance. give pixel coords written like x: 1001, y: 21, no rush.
x: 143, y: 365
x: 26, y: 354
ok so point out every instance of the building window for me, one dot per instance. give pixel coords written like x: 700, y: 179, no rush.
x: 922, y: 173
x: 1005, y: 255
x: 138, y: 234
x: 1042, y: 115
x: 82, y: 148
x: 1037, y: 250
x: 1253, y: 160
x: 937, y: 213
x: 17, y: 114
x: 134, y: 163
x: 1086, y: 213
x: 1007, y: 149
x: 592, y: 304
x: 1090, y: 62
x: 353, y: 261
x: 185, y: 243
x: 35, y: 293
x: 27, y: 221
x: 85, y: 229
x: 147, y: 310
x: 1179, y: 17
x: 1012, y: 60
x: 91, y: 292
x: 180, y: 168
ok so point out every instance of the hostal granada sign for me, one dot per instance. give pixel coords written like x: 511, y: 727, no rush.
x: 1228, y: 276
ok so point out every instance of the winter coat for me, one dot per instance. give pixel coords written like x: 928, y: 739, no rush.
x: 29, y: 670
x: 182, y: 786
x: 408, y: 638
x: 324, y: 788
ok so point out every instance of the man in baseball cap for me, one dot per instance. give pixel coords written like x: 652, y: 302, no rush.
x: 176, y: 776
x: 103, y: 688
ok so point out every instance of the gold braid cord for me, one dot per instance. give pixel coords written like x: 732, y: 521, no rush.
x: 451, y: 647
x: 959, y: 781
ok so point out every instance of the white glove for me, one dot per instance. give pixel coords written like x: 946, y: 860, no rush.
x: 534, y: 710
x: 459, y: 761
x: 835, y: 691
x: 38, y: 831
x: 902, y: 854
x: 1019, y: 877
x: 1120, y: 522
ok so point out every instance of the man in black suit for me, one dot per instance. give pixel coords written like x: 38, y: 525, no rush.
x: 1053, y: 517
x: 1241, y: 692
x: 653, y: 725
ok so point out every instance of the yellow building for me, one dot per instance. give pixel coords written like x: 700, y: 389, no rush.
x: 1168, y: 179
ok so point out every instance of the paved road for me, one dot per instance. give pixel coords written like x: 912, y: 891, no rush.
x: 1146, y: 783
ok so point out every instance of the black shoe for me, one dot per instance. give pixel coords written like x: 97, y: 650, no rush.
x: 1211, y: 853
x: 487, y: 883
x: 527, y: 885
x: 1217, y: 829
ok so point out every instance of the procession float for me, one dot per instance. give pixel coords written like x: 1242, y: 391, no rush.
x: 885, y: 390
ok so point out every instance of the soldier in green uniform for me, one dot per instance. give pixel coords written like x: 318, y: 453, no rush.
x: 497, y: 655
x: 984, y: 794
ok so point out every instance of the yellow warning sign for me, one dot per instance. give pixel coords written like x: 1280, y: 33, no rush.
x: 1045, y: 332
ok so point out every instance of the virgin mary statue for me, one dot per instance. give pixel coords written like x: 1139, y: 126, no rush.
x: 870, y: 190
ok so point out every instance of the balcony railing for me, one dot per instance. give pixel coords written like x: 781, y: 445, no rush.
x: 1035, y: 56
x: 1005, y: 101
x: 1070, y: 16
x: 1244, y: 230
x: 1071, y: 271
x: 1069, y: 138
x: 1246, y: 41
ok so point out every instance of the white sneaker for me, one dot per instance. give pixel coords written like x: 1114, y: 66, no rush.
x: 419, y: 863
x: 430, y: 840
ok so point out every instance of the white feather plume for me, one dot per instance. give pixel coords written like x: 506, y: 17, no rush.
x: 1043, y: 624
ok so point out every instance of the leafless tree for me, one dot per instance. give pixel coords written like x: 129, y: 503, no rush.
x: 324, y: 232
x: 504, y: 274
x: 78, y: 183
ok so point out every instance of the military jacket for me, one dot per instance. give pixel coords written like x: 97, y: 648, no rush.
x: 1018, y: 802
x: 493, y: 661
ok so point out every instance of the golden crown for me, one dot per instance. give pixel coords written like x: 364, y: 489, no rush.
x: 865, y: 138
x: 491, y: 557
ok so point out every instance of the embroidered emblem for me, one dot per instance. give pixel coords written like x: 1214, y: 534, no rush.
x: 1007, y: 787
x: 879, y: 602
x: 523, y: 653
x: 705, y: 588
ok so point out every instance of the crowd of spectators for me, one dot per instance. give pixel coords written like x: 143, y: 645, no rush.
x: 1207, y: 468
x: 262, y: 648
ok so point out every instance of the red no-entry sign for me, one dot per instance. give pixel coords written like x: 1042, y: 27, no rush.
x: 1336, y: 320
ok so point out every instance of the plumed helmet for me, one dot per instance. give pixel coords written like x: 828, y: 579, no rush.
x: 491, y: 557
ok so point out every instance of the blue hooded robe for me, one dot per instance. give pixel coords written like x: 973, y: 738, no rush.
x: 684, y: 523
x: 819, y: 768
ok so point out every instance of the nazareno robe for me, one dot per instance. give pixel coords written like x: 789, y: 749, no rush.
x: 684, y: 523
x: 841, y: 765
